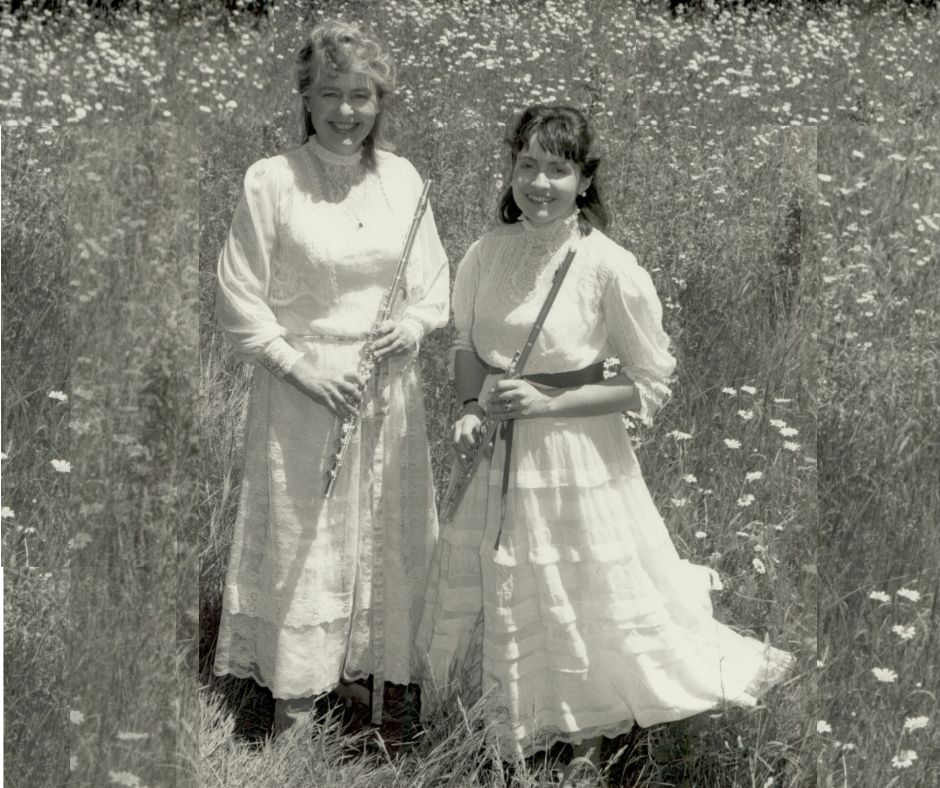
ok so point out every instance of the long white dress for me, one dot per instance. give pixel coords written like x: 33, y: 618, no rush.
x: 318, y: 590
x: 590, y: 620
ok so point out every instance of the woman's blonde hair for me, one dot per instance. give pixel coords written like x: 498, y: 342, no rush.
x: 336, y: 47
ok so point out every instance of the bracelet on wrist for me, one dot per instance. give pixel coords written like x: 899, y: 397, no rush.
x: 468, y: 401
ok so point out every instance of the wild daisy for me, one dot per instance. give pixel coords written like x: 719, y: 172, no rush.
x: 879, y: 596
x: 916, y: 723
x: 903, y: 632
x: 886, y: 675
x: 904, y: 759
x: 909, y: 593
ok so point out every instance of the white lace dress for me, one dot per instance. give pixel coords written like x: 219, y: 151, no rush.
x: 590, y: 620
x: 321, y: 589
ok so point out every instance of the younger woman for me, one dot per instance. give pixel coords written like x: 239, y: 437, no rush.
x: 323, y: 591
x: 590, y: 620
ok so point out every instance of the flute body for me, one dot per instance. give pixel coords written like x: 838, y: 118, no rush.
x: 366, y: 366
x: 467, y: 468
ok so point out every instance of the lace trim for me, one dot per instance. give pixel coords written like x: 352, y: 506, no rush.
x: 278, y: 358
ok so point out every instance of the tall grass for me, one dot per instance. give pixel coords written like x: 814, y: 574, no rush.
x: 124, y: 143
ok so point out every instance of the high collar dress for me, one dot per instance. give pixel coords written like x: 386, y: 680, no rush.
x: 583, y: 620
x: 319, y: 590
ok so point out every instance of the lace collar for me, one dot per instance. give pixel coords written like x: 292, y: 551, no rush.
x: 552, y: 235
x: 329, y: 157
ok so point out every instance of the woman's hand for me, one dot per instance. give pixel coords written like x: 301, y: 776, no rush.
x: 517, y: 399
x: 341, y: 395
x: 394, y: 338
x: 467, y: 428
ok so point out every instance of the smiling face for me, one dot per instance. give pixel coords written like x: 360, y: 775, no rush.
x: 343, y: 109
x: 544, y: 185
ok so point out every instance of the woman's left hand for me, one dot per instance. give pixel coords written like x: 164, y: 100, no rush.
x: 517, y: 399
x: 394, y: 338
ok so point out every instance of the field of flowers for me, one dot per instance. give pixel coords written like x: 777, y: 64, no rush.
x: 775, y: 172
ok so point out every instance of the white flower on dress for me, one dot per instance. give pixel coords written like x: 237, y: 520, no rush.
x: 886, y: 675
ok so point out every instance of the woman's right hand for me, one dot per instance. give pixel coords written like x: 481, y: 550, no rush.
x: 467, y: 429
x: 341, y: 395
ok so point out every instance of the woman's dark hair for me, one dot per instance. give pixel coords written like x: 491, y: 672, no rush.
x: 563, y: 131
x: 335, y: 47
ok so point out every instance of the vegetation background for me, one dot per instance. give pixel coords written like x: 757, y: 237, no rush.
x: 773, y: 166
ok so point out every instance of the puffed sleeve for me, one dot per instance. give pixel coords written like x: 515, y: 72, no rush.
x: 634, y: 317
x: 241, y: 306
x: 428, y: 274
x: 466, y: 282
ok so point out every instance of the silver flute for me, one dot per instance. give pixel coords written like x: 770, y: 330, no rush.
x: 348, y: 425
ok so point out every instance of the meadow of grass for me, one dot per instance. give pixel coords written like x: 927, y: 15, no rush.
x: 879, y: 451
x: 733, y: 159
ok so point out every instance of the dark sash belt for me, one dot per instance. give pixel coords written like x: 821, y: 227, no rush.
x: 594, y: 373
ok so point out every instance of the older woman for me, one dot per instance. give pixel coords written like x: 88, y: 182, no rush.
x: 323, y: 591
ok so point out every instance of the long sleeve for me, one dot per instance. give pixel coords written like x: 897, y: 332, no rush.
x: 428, y: 276
x: 633, y: 315
x: 466, y: 282
x: 241, y: 306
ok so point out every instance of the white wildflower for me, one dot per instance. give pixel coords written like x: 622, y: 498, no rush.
x: 904, y: 759
x: 916, y: 723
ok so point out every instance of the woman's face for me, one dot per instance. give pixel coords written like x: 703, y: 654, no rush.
x: 544, y: 185
x: 343, y: 109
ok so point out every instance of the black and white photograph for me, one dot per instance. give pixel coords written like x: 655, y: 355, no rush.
x: 470, y: 393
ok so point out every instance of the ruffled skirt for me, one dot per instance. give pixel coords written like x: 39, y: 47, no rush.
x: 322, y: 589
x: 590, y: 620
